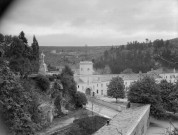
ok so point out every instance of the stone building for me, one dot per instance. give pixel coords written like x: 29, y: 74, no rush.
x: 96, y: 85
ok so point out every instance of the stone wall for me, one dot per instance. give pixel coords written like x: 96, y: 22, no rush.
x: 141, y: 125
x: 132, y: 121
x: 113, y: 106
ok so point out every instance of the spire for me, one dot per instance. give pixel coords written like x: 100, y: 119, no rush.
x: 42, y: 57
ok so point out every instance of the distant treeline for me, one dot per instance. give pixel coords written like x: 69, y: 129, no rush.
x: 140, y: 56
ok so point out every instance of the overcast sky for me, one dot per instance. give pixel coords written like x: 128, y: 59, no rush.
x: 92, y: 22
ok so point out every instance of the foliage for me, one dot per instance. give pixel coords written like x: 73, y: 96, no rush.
x: 67, y: 71
x: 116, y: 88
x: 22, y: 57
x: 173, y: 97
x: 15, y: 102
x: 139, y: 56
x: 69, y: 85
x: 127, y: 71
x: 42, y: 82
x: 22, y: 37
x: 87, y: 126
x: 146, y: 91
x: 169, y: 96
x: 80, y: 99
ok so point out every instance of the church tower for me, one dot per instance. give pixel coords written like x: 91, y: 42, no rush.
x: 43, y: 68
x: 86, y: 68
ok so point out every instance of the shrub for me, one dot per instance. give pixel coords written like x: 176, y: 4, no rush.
x: 146, y: 91
x: 80, y: 99
x: 42, y: 82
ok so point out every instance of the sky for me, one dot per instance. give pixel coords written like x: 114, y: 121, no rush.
x: 91, y: 22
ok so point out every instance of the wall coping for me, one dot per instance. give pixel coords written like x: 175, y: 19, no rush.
x: 125, y: 121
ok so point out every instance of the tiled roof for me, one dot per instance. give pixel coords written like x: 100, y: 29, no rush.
x: 78, y: 80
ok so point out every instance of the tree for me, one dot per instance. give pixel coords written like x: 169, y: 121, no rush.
x: 14, y: 102
x: 22, y: 37
x: 167, y: 94
x: 146, y: 91
x: 80, y: 99
x: 1, y: 38
x: 116, y: 88
x: 43, y: 82
x: 69, y: 84
x: 35, y: 54
x: 67, y: 71
x: 127, y: 71
x: 173, y: 97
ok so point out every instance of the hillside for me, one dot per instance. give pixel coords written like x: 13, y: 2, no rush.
x: 60, y: 56
x: 140, y: 56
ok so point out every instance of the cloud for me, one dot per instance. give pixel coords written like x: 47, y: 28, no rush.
x: 93, y: 21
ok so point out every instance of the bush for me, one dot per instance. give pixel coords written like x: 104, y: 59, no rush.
x: 146, y: 91
x: 42, y: 82
x: 80, y: 99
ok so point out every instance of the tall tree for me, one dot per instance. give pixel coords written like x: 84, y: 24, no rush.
x: 22, y: 37
x: 116, y: 88
x: 35, y: 54
x: 35, y: 48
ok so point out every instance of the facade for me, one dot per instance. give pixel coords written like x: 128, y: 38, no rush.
x: 96, y: 85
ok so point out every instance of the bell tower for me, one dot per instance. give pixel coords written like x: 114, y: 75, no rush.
x: 43, y: 68
x: 86, y: 68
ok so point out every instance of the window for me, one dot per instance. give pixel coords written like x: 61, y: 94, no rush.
x: 78, y: 86
x: 88, y: 69
x: 97, y: 91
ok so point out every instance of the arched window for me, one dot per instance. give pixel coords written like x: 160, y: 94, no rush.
x: 78, y: 86
x: 97, y: 91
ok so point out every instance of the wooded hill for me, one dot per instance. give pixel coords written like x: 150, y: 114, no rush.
x: 140, y: 56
